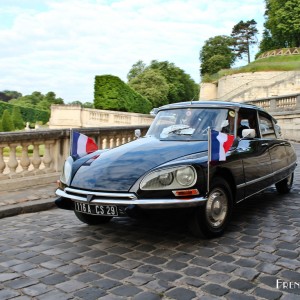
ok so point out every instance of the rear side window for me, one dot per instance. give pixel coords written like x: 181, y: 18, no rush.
x: 266, y: 126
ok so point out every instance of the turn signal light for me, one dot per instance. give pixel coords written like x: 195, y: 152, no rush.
x: 186, y: 193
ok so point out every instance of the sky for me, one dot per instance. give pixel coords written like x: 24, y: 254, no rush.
x: 61, y: 45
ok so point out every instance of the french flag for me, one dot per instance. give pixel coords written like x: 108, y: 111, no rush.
x: 220, y: 144
x: 81, y: 145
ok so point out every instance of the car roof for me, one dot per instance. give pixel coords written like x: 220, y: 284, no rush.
x: 213, y: 103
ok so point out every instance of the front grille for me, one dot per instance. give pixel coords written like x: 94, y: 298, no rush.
x: 99, y: 195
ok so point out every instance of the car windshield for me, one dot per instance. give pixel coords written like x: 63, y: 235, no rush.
x: 190, y: 123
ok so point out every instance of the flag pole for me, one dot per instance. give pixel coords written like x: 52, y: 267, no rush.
x: 71, y: 141
x: 208, y: 157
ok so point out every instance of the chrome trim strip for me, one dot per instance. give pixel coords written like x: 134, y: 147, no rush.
x: 101, y: 194
x: 262, y: 178
x: 144, y: 203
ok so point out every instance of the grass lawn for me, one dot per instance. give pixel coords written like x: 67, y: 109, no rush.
x: 274, y: 63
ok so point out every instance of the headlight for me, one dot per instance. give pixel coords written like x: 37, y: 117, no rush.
x: 185, y: 176
x: 172, y: 178
x: 66, y: 172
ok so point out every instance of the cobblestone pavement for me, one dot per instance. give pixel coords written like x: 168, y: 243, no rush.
x: 52, y: 255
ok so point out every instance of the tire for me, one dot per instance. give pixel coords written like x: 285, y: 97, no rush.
x: 91, y: 219
x: 284, y: 186
x: 211, y: 219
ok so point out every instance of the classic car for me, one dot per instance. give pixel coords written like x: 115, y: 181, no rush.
x: 171, y: 167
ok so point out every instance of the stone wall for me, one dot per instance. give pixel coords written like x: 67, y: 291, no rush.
x: 68, y: 116
x: 248, y: 86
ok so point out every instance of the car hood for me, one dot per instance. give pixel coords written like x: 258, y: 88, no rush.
x: 119, y: 168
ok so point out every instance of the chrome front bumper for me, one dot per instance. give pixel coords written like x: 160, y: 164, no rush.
x: 125, y: 199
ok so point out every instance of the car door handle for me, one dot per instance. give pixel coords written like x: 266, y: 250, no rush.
x: 265, y: 144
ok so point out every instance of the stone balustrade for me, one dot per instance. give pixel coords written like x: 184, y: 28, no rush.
x: 37, y: 156
x: 286, y: 110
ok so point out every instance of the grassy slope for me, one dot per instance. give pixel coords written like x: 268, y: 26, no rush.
x: 274, y: 63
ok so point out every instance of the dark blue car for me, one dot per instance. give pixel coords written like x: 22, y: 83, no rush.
x: 168, y: 168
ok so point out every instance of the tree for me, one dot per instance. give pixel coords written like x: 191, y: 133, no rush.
x: 136, y: 69
x: 244, y: 35
x: 216, y: 50
x: 7, y: 122
x: 282, y: 24
x: 88, y: 105
x: 152, y: 85
x: 181, y: 87
x: 17, y: 118
x: 1, y: 127
x: 111, y: 93
x: 38, y: 100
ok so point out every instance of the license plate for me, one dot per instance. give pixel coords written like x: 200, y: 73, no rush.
x: 92, y: 209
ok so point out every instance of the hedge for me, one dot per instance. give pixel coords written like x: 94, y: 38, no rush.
x: 29, y: 114
x: 111, y: 93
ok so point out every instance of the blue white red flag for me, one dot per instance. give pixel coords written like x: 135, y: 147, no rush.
x: 81, y: 145
x: 220, y: 144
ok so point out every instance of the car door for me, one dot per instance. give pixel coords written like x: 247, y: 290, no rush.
x: 277, y: 147
x: 255, y: 156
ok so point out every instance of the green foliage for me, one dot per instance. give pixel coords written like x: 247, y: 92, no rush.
x: 244, y: 35
x: 111, y: 93
x: 136, y: 69
x: 282, y: 25
x: 274, y: 63
x: 17, y: 118
x: 1, y: 127
x: 85, y: 105
x: 38, y: 101
x: 7, y: 122
x: 163, y: 83
x: 219, y: 46
x: 28, y: 114
x: 152, y: 85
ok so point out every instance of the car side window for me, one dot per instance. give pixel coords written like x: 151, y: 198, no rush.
x: 266, y: 126
x: 247, y: 119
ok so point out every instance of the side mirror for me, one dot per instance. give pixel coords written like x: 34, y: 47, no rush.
x: 137, y: 133
x: 248, y: 133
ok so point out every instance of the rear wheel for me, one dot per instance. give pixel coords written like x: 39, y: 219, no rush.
x: 284, y: 186
x: 91, y: 219
x: 210, y: 220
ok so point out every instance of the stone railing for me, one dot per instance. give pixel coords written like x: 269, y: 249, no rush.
x: 37, y: 157
x: 279, y: 104
x: 286, y: 110
x: 74, y: 116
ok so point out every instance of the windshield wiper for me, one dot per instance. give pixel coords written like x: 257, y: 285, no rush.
x: 179, y: 129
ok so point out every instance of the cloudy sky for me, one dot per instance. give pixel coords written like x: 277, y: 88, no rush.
x: 59, y: 46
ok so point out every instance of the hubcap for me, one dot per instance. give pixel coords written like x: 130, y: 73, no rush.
x: 217, y: 208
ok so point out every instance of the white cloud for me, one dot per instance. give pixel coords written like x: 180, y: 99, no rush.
x: 62, y: 46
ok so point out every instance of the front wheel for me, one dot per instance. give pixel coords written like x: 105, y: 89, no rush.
x: 210, y: 220
x: 91, y: 219
x: 284, y: 186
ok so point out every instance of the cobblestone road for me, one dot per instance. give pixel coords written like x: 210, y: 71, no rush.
x: 51, y: 255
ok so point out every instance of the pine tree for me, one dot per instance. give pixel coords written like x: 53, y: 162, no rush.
x: 7, y: 122
x: 17, y: 118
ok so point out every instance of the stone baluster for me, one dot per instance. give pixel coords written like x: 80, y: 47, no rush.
x: 104, y: 142
x: 2, y: 164
x: 112, y: 142
x: 47, y: 159
x: 12, y: 161
x: 118, y: 140
x: 36, y: 160
x: 25, y: 161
